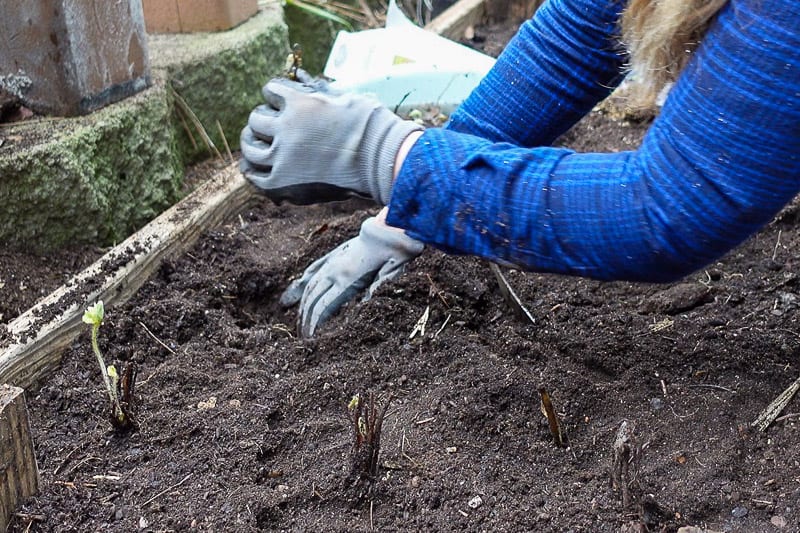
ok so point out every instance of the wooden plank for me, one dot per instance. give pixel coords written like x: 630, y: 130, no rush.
x: 455, y: 20
x: 19, y: 476
x: 39, y: 336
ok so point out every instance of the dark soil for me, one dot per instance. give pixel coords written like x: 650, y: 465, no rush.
x: 245, y: 427
x: 26, y: 278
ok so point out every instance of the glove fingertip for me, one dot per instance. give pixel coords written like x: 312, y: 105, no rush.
x: 292, y: 294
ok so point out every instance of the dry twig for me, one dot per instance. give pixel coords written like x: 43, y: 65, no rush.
x: 170, y: 350
x: 510, y: 296
x: 768, y: 415
x: 175, y: 486
x: 225, y: 141
x: 186, y: 110
x: 559, y: 437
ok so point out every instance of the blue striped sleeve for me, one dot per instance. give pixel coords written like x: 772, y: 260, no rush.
x: 555, y: 69
x: 716, y: 165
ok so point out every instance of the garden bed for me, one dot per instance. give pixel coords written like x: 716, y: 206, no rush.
x: 245, y: 427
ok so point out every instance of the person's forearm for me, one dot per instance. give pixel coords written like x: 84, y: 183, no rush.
x: 717, y: 164
x: 557, y: 67
x: 403, y: 151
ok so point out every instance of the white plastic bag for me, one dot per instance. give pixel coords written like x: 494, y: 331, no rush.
x: 405, y: 66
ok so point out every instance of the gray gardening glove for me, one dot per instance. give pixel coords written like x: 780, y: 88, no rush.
x: 309, y: 145
x: 376, y: 255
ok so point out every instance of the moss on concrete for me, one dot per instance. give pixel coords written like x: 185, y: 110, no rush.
x: 93, y: 179
x: 98, y: 178
x: 220, y: 75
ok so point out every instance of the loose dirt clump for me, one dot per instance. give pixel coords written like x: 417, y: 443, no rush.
x: 245, y: 427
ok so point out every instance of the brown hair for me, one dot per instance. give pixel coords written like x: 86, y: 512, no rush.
x: 661, y: 35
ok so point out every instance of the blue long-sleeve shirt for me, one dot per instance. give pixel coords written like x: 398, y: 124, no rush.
x: 718, y: 163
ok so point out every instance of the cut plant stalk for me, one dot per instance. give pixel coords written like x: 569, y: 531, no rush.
x: 559, y: 437
x: 367, y: 421
x: 120, y: 389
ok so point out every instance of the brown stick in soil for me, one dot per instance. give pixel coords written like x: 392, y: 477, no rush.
x: 626, y: 465
x: 770, y: 414
x: 556, y: 431
x: 367, y: 420
x: 125, y: 387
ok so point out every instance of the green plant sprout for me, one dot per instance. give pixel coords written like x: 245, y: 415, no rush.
x: 121, y: 417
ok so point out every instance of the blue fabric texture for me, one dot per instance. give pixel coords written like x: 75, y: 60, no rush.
x: 721, y: 159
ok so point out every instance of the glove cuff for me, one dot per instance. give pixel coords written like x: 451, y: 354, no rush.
x: 382, y: 140
x: 390, y: 238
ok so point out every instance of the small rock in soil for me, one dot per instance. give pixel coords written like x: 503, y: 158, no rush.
x: 475, y: 502
x: 677, y: 299
x: 656, y: 404
x: 778, y: 521
x: 205, y: 405
x: 739, y: 512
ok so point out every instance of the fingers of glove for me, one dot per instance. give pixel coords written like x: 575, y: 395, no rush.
x: 277, y: 90
x: 263, y: 122
x: 261, y: 178
x: 315, y: 288
x: 303, y: 76
x: 294, y: 292
x: 332, y: 285
x: 247, y: 169
x: 327, y: 299
x: 317, y: 83
x: 390, y: 270
x: 257, y: 152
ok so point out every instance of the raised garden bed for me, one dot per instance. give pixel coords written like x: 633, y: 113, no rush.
x: 244, y: 427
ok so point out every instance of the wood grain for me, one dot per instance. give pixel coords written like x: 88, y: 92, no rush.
x: 19, y: 476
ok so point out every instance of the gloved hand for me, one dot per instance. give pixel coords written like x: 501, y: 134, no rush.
x: 376, y: 255
x: 308, y: 145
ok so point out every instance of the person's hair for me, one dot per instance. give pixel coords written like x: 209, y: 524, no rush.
x: 661, y: 35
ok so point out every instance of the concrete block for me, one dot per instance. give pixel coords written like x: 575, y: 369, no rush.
x: 98, y: 178
x: 90, y: 179
x: 68, y: 58
x: 183, y: 16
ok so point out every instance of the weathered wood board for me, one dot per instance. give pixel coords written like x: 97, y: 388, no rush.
x: 19, y: 476
x: 39, y: 336
x: 455, y: 20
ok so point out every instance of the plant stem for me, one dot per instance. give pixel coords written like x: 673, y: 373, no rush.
x: 103, y: 371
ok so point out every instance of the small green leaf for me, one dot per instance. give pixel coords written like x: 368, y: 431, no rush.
x: 94, y: 314
x: 353, y: 402
x: 112, y: 372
